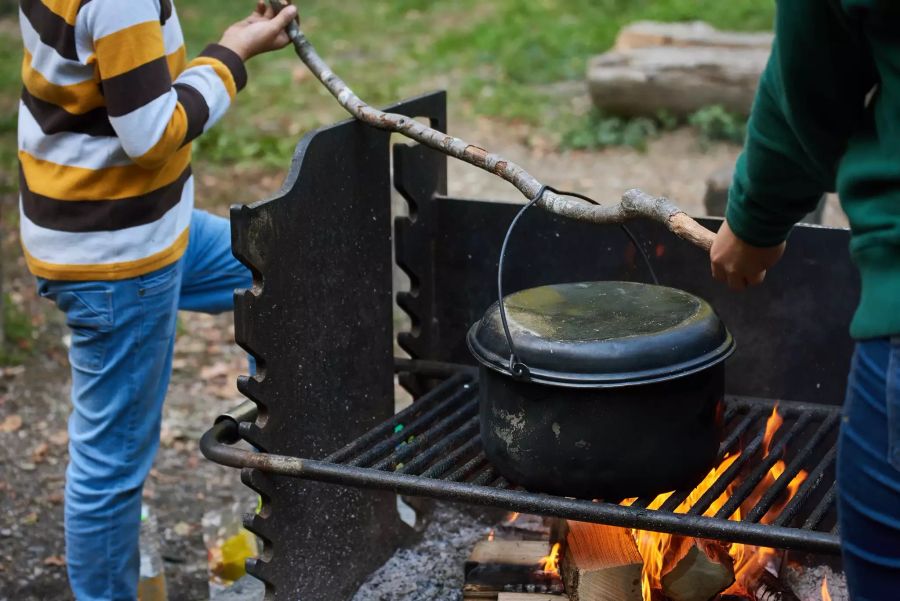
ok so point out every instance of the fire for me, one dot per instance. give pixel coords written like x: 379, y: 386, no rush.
x: 550, y: 563
x: 660, y: 550
x: 512, y: 518
x: 491, y: 535
x: 826, y: 596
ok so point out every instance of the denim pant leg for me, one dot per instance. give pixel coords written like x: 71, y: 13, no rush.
x: 123, y: 335
x: 211, y: 273
x: 869, y: 473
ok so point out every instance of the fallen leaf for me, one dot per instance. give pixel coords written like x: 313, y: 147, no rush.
x: 11, y: 423
x: 217, y: 370
x: 55, y: 560
x: 39, y: 454
x: 59, y: 438
x: 30, y: 519
x: 12, y: 372
x: 182, y: 529
x: 55, y: 498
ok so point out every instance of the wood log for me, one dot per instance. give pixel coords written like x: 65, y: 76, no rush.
x: 601, y: 563
x: 496, y: 566
x: 696, y: 569
x: 677, y: 80
x: 645, y: 34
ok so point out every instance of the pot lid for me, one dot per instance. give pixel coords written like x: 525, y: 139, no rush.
x: 603, y: 334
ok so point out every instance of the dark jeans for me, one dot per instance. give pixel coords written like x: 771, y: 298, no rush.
x: 869, y: 472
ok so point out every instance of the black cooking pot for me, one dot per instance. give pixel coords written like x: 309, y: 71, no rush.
x: 601, y: 389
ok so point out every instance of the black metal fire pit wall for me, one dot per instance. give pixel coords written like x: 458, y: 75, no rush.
x: 319, y: 321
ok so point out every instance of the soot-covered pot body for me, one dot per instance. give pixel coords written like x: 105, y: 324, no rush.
x: 624, y: 394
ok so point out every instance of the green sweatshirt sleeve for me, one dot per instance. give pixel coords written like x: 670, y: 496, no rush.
x: 810, y: 98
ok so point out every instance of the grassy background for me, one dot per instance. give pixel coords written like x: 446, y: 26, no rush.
x: 499, y: 58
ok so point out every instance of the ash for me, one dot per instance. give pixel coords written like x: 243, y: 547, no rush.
x: 432, y: 569
x: 807, y: 583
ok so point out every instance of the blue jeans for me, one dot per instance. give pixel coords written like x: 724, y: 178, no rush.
x: 123, y: 335
x: 869, y: 472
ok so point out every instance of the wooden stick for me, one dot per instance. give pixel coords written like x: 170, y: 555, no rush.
x: 633, y: 204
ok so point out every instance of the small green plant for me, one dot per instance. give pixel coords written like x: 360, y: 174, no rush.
x: 715, y: 124
x: 598, y: 131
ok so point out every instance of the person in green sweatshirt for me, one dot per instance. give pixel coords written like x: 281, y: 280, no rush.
x: 827, y: 118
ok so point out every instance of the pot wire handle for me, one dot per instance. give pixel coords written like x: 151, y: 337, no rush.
x: 517, y: 368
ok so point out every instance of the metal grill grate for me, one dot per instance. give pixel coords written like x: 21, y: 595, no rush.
x: 433, y: 448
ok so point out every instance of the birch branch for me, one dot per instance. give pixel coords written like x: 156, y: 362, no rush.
x: 634, y: 203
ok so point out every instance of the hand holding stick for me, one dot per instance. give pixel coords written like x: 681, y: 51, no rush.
x: 634, y: 203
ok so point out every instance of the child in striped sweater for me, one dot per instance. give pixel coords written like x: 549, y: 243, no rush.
x: 109, y: 108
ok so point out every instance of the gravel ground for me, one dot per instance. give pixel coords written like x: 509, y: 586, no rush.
x: 432, y: 569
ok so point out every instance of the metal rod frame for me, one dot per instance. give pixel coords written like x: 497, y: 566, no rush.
x: 438, y: 432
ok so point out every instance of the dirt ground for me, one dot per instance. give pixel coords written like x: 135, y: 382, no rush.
x: 34, y: 397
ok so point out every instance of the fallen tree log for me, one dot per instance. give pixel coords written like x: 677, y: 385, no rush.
x: 675, y: 80
x: 645, y: 34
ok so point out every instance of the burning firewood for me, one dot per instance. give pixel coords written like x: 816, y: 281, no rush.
x: 696, y: 569
x: 496, y: 566
x: 601, y: 563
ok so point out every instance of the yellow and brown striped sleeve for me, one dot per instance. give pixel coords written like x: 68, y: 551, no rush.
x: 152, y: 115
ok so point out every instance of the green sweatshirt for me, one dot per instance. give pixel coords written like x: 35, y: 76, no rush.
x: 827, y: 118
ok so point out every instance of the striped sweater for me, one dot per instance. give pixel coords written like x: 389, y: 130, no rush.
x: 108, y: 112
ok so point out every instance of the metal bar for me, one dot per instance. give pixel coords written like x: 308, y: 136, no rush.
x: 441, y: 467
x: 755, y: 477
x: 806, y: 489
x: 793, y: 468
x: 728, y: 476
x: 432, y: 369
x: 818, y: 514
x: 422, y: 403
x: 585, y: 511
x: 643, y: 502
x: 738, y: 430
x: 485, y: 477
x: 450, y: 441
x: 676, y: 499
x: 461, y: 473
x: 431, y: 435
x: 413, y: 427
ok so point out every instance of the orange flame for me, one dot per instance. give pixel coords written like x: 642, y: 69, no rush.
x: 491, y: 535
x: 512, y: 518
x: 660, y: 551
x: 826, y: 596
x: 550, y: 563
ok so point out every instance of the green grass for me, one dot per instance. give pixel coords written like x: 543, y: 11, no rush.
x: 499, y: 58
